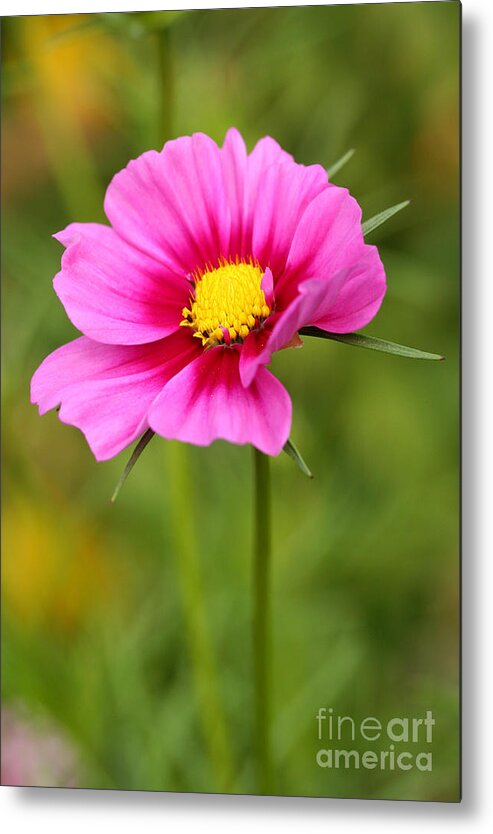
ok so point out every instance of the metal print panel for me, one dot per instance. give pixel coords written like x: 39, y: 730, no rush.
x: 230, y: 544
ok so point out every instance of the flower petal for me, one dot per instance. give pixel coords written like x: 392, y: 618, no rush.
x: 255, y: 352
x: 328, y: 238
x: 234, y: 166
x: 267, y: 286
x: 114, y: 293
x: 314, y: 296
x: 206, y: 401
x: 282, y: 196
x: 106, y: 390
x: 173, y: 205
x: 359, y: 298
x: 266, y: 152
x: 245, y: 183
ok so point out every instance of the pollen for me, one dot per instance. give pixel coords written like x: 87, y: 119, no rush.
x: 227, y: 302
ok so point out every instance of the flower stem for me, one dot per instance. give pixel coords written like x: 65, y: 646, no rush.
x: 261, y: 620
x: 165, y: 98
x: 196, y: 620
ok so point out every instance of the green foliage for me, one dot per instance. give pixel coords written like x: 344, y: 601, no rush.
x: 144, y: 440
x: 295, y: 455
x: 371, y: 343
x: 339, y: 165
x: 379, y: 219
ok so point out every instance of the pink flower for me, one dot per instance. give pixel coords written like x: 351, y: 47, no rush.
x: 214, y: 260
x: 35, y: 752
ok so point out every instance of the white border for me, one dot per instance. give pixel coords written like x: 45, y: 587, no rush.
x: 54, y: 811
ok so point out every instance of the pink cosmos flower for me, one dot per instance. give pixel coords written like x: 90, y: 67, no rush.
x: 35, y: 752
x: 214, y: 259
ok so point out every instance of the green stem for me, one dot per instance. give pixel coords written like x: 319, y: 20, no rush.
x: 196, y: 620
x: 261, y: 620
x: 165, y: 97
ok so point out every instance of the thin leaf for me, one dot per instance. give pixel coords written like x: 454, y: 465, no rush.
x: 371, y: 342
x: 295, y: 455
x: 144, y: 440
x: 376, y: 221
x: 336, y: 167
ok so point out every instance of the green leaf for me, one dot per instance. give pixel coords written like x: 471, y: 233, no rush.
x: 336, y: 167
x: 295, y: 455
x: 376, y: 221
x: 371, y: 342
x: 144, y: 440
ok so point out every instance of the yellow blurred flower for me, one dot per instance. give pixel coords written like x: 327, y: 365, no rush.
x: 54, y: 573
x: 61, y: 92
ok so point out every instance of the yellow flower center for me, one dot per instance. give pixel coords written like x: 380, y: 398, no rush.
x: 227, y: 304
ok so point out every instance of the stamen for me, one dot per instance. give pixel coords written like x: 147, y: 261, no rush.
x: 227, y: 302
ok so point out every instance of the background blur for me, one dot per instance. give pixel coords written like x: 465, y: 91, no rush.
x: 126, y: 646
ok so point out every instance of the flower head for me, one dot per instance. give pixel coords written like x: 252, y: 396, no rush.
x: 213, y: 261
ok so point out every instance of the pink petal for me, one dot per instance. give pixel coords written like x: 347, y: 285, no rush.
x: 114, y: 293
x: 327, y: 239
x: 255, y: 352
x: 282, y: 196
x: 106, y: 390
x: 314, y: 296
x: 267, y: 193
x: 359, y: 298
x: 206, y: 401
x: 266, y: 152
x: 267, y: 286
x: 173, y: 205
x: 234, y: 166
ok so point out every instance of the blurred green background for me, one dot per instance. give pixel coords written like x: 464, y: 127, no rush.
x: 126, y: 635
